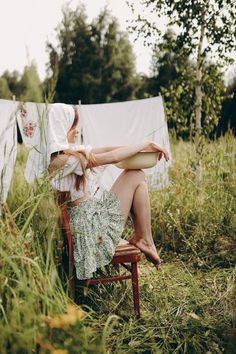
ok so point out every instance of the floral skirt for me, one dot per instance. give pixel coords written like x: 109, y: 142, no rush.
x: 96, y: 226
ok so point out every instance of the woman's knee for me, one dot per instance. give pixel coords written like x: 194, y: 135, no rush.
x: 137, y: 175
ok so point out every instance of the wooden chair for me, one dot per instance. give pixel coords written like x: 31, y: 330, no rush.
x: 126, y: 255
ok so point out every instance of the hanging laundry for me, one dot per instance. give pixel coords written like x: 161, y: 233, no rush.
x: 125, y: 123
x: 8, y: 145
x: 33, y: 120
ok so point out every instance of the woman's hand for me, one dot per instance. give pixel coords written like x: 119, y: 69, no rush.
x: 156, y: 148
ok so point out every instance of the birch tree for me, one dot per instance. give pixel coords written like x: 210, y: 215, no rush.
x: 206, y: 29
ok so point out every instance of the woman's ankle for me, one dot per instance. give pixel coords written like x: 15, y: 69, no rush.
x: 141, y: 240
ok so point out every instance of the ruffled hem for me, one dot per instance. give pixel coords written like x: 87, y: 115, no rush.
x: 97, y: 227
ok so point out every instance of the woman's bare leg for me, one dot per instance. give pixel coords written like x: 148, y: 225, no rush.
x: 131, y: 189
x: 141, y: 215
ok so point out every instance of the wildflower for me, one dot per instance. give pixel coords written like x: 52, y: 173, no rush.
x: 44, y: 345
x: 73, y: 315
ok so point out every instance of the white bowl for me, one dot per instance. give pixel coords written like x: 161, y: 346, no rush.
x: 140, y: 160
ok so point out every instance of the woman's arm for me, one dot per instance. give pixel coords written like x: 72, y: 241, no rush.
x: 101, y: 150
x: 124, y: 152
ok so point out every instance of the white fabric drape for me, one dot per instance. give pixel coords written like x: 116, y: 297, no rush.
x: 8, y: 145
x: 42, y: 136
x: 127, y: 123
x: 32, y: 121
x: 60, y: 120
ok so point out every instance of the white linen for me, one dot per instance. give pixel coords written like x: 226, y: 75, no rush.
x: 60, y: 120
x: 125, y: 123
x: 32, y: 121
x: 8, y: 145
x: 44, y: 129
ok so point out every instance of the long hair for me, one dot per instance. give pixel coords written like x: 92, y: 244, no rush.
x: 87, y: 161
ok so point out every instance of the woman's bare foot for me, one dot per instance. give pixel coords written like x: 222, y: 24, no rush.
x: 134, y: 239
x: 148, y: 249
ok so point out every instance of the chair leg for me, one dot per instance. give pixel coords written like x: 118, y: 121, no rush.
x: 134, y: 271
x: 72, y: 286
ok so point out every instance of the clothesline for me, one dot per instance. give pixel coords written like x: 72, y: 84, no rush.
x: 105, y: 124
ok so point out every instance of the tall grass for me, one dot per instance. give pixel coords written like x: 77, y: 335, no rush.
x: 32, y: 293
x: 183, y: 311
x: 198, y: 225
x: 187, y: 307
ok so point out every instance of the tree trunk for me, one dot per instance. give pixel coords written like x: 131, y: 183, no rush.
x: 198, y: 103
x: 198, y: 114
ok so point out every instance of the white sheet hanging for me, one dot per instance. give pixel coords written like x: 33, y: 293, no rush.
x: 127, y: 123
x: 33, y: 121
x: 8, y: 145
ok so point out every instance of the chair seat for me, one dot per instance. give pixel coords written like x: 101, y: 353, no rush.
x: 126, y: 253
x: 125, y: 248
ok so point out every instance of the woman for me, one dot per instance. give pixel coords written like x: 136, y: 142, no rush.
x: 97, y: 224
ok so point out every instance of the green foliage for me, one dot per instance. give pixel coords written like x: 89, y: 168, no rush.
x: 95, y: 61
x: 228, y: 117
x: 49, y: 84
x: 173, y: 75
x: 206, y: 30
x: 13, y: 82
x: 180, y: 100
x: 175, y: 79
x: 199, y: 225
x: 25, y: 87
x: 214, y: 94
x: 30, y: 85
x: 219, y: 24
x: 4, y: 89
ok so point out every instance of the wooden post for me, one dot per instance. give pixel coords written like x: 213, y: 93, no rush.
x: 134, y: 271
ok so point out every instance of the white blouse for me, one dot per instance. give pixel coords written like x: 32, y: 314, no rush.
x: 64, y: 180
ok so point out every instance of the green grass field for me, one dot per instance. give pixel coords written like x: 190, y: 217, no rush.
x: 187, y: 307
